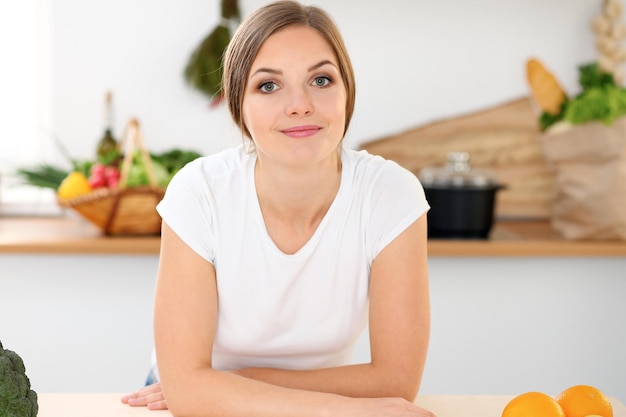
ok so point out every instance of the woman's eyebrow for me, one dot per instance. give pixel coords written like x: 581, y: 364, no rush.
x: 321, y: 64
x: 268, y: 70
x: 279, y: 72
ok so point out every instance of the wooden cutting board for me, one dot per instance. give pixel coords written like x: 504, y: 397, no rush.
x: 503, y: 138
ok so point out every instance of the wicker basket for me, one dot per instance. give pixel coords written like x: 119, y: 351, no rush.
x: 123, y: 210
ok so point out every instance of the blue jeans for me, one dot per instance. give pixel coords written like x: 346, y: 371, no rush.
x: 151, y: 379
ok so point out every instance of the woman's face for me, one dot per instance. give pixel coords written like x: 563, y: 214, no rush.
x: 294, y: 102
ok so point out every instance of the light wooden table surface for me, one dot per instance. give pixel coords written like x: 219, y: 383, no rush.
x: 109, y: 405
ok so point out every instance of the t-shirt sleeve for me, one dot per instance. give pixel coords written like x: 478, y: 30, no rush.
x: 396, y: 201
x: 188, y: 210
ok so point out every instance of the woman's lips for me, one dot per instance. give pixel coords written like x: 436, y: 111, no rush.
x: 301, y: 131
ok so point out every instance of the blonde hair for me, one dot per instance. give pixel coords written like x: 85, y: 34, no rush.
x: 254, y: 31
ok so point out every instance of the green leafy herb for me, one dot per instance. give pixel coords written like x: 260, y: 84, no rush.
x: 603, y: 104
x: 589, y: 76
x: 600, y: 100
x: 204, y: 69
x: 174, y: 159
x: 43, y: 175
x: 138, y: 174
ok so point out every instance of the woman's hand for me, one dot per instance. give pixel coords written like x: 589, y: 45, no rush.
x: 388, y: 407
x: 150, y: 396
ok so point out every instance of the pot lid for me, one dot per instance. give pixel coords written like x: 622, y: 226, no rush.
x: 457, y: 172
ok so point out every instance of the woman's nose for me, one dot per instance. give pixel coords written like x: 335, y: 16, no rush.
x: 299, y: 103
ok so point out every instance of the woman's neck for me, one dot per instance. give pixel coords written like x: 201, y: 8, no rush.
x: 297, y: 193
x: 294, y: 201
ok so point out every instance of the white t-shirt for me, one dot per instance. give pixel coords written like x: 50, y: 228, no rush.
x: 300, y: 311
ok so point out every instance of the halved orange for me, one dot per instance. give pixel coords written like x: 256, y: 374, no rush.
x: 583, y: 401
x: 530, y: 404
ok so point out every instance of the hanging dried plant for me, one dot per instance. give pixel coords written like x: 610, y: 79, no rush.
x: 610, y: 32
x: 204, y: 69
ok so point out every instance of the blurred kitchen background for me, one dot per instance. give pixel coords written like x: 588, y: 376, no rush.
x: 501, y: 325
x: 415, y: 61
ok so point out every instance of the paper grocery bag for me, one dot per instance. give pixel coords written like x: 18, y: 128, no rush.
x: 590, y: 181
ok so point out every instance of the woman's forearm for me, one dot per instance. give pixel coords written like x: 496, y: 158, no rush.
x: 208, y: 393
x: 361, y: 380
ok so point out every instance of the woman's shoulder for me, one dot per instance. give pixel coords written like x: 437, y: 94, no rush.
x: 215, y: 173
x: 227, y: 162
x: 371, y: 168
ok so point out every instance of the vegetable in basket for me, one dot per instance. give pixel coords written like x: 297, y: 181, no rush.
x: 43, y: 176
x: 100, y: 174
x: 138, y: 174
x: 73, y: 185
x: 174, y: 159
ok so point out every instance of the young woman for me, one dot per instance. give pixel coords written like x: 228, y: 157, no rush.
x: 275, y: 255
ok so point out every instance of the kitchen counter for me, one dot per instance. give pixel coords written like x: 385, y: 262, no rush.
x: 67, y: 235
x: 109, y: 405
x: 72, y: 235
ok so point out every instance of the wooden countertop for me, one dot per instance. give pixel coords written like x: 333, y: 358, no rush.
x: 67, y: 235
x: 109, y: 405
x: 72, y: 235
x: 525, y: 239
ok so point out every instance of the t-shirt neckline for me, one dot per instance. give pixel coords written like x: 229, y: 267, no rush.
x: 310, y: 244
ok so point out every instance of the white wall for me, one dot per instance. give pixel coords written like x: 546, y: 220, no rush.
x: 80, y: 323
x: 416, y: 61
x: 511, y: 325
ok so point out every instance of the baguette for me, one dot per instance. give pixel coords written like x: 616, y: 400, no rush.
x: 545, y: 88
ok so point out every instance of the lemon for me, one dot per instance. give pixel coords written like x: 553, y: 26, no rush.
x: 73, y: 185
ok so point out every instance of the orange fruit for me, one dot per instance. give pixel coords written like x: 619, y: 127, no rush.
x: 583, y: 401
x: 533, y: 404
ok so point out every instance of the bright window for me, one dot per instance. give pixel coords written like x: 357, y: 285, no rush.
x: 25, y: 110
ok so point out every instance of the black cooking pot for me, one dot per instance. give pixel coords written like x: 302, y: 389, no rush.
x: 462, y: 199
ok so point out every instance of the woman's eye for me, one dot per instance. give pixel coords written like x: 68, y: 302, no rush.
x: 321, y: 81
x: 268, y: 87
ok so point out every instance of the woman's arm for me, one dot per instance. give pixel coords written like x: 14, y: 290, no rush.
x: 399, y: 329
x: 185, y: 318
x: 184, y: 328
x: 400, y: 312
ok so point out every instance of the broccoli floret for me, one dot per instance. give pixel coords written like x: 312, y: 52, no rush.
x: 16, y: 397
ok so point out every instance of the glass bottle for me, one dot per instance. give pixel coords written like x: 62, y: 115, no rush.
x: 107, y: 145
